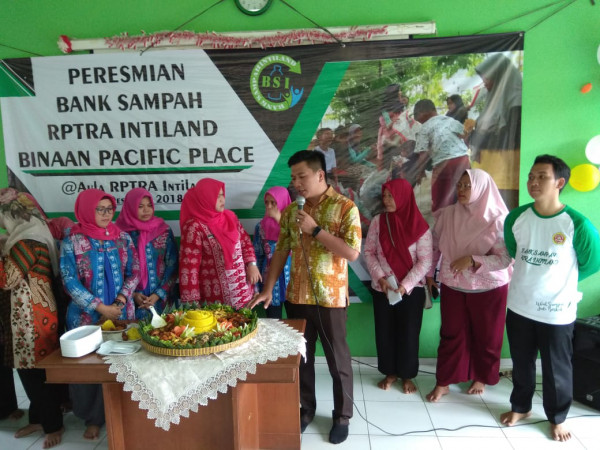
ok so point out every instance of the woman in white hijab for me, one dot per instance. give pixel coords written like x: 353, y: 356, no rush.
x: 28, y: 312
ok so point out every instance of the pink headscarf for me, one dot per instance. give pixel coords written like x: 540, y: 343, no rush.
x: 58, y: 226
x: 472, y: 229
x: 128, y: 221
x: 270, y: 225
x: 85, y: 212
x: 200, y: 203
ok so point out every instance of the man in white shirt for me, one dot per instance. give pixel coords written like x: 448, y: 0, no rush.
x: 325, y: 138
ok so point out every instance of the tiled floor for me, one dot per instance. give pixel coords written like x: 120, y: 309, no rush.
x: 393, y: 420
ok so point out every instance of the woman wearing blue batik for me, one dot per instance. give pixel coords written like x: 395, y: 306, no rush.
x: 265, y: 239
x: 100, y: 270
x: 157, y: 252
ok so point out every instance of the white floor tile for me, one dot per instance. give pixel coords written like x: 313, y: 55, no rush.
x: 474, y: 443
x: 404, y: 442
x: 322, y: 422
x: 398, y: 418
x: 499, y: 393
x: 394, y: 412
x: 547, y: 444
x: 8, y: 441
x: 103, y: 444
x: 318, y: 442
x: 463, y: 419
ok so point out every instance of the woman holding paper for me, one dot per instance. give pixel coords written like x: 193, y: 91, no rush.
x: 398, y: 252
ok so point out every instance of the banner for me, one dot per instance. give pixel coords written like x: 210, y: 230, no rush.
x: 164, y: 119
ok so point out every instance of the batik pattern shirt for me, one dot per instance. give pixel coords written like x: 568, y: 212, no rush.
x: 264, y: 249
x: 162, y: 263
x: 328, y: 273
x: 82, y: 271
x: 28, y: 313
x: 202, y: 273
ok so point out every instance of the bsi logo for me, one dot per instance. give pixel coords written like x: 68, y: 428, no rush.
x: 274, y: 82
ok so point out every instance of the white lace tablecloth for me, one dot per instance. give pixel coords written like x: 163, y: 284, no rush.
x: 170, y: 387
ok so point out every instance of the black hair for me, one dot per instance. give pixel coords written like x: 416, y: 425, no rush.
x: 423, y: 106
x: 457, y: 100
x: 320, y: 132
x: 559, y: 167
x: 314, y: 159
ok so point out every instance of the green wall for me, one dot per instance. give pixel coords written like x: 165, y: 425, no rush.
x: 560, y: 57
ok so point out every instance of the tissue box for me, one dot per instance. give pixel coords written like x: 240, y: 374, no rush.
x: 80, y: 341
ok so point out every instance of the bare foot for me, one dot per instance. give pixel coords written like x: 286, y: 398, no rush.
x: 408, y: 386
x: 477, y: 387
x: 511, y: 417
x: 53, y: 439
x: 16, y: 414
x: 28, y: 429
x: 387, y: 382
x: 560, y: 432
x: 92, y: 432
x: 437, y: 393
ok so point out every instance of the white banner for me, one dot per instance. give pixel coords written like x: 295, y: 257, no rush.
x: 161, y: 120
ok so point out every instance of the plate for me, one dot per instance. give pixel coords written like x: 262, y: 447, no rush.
x: 116, y: 322
x: 118, y: 334
x: 118, y: 348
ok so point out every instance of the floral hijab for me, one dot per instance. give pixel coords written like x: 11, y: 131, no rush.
x: 22, y: 219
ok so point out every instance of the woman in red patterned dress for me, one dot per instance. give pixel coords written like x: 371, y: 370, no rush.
x: 216, y: 257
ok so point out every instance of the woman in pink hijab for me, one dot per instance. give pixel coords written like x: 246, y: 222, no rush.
x: 100, y: 270
x: 266, y: 234
x: 156, y: 248
x: 217, y: 261
x: 474, y: 273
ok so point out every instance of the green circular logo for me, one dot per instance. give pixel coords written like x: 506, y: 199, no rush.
x: 274, y: 82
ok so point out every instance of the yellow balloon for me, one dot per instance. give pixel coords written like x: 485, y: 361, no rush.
x: 584, y: 177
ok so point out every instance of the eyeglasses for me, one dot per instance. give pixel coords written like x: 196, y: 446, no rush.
x: 460, y: 186
x: 105, y: 211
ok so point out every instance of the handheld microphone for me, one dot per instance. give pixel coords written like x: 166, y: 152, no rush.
x: 300, y: 201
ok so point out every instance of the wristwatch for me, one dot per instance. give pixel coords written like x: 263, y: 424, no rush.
x: 316, y: 231
x: 252, y: 263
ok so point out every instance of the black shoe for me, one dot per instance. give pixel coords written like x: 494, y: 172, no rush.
x: 305, y: 420
x: 338, y: 433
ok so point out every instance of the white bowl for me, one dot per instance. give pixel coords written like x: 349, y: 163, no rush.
x: 80, y: 341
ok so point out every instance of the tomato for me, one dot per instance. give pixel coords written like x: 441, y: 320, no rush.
x: 178, y: 330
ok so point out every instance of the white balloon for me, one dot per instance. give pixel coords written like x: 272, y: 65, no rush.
x: 592, y: 150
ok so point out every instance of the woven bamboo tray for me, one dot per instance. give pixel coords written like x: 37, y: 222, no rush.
x: 197, y: 351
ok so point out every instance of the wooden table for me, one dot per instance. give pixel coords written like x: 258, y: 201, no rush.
x: 261, y: 412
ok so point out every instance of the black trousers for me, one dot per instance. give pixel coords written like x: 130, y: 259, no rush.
x: 8, y: 397
x: 88, y: 403
x: 44, y: 399
x: 329, y: 324
x: 555, y: 343
x: 397, y: 330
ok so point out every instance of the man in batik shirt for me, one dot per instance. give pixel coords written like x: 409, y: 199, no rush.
x: 322, y: 236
